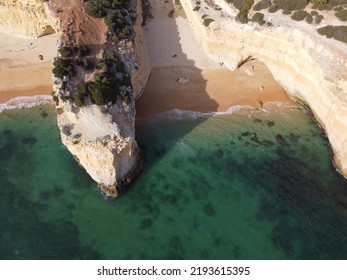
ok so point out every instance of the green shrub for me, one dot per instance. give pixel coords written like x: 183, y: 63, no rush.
x: 196, y: 8
x: 337, y: 32
x: 80, y: 89
x: 314, y: 13
x: 81, y: 50
x: 244, y: 7
x: 63, y: 67
x: 56, y: 100
x: 126, y: 80
x: 318, y: 19
x: 93, y: 10
x: 322, y: 7
x: 104, y: 91
x: 299, y: 15
x: 207, y: 21
x: 105, y: 3
x: 261, y: 5
x: 290, y: 5
x: 319, y: 1
x: 65, y: 51
x: 125, y: 97
x: 340, y: 33
x: 309, y: 19
x: 259, y: 18
x: 342, y: 15
x: 78, y: 100
x: 273, y: 9
x: 338, y: 9
x: 121, y: 4
x: 87, y: 64
x: 328, y: 31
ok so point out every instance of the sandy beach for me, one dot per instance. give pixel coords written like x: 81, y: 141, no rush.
x: 26, y: 66
x: 184, y: 77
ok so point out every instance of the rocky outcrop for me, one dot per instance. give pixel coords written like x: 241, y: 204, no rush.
x: 102, y: 138
x: 30, y: 18
x: 312, y: 68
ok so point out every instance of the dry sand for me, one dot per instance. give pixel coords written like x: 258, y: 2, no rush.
x: 22, y: 72
x: 176, y: 53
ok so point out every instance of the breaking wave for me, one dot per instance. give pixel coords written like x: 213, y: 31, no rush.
x: 21, y: 102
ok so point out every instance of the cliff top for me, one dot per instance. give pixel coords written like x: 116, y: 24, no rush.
x: 326, y: 22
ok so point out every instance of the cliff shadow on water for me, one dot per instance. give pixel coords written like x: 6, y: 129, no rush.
x: 265, y: 178
x: 176, y: 87
x: 245, y: 186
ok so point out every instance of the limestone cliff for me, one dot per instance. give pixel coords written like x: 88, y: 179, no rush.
x: 312, y: 68
x: 102, y: 137
x: 30, y: 18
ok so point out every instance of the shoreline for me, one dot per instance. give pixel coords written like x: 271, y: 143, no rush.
x: 182, y: 76
x: 24, y: 102
x: 26, y: 66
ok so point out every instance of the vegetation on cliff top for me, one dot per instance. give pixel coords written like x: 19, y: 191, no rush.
x: 109, y: 77
x: 297, y: 9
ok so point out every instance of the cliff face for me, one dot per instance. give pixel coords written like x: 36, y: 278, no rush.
x: 312, y: 68
x: 30, y: 18
x: 102, y: 138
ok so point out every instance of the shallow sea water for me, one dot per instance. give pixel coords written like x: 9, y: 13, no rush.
x: 240, y: 186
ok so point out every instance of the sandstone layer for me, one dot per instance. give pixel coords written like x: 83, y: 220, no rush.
x: 309, y: 66
x: 30, y: 18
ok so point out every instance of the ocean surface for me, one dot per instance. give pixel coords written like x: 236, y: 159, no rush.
x: 239, y: 186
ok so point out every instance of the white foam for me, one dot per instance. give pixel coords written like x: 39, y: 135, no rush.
x: 177, y: 114
x: 280, y: 104
x: 21, y: 102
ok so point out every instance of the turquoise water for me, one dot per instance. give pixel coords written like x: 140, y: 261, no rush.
x: 251, y: 186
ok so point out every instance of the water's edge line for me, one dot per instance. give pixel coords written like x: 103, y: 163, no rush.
x: 22, y: 102
x: 179, y: 114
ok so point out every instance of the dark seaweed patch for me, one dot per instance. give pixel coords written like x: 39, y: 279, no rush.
x: 6, y: 132
x: 270, y: 123
x: 36, y: 239
x: 30, y: 141
x: 209, y: 210
x: 245, y: 134
x: 281, y: 140
x: 160, y: 176
x: 294, y: 138
x: 43, y: 114
x: 146, y: 223
x: 217, y: 241
x: 254, y: 138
